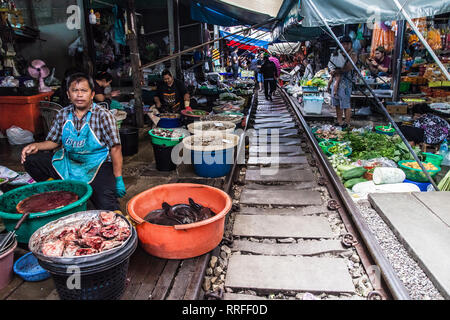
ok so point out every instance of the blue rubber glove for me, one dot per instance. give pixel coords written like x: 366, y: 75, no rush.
x: 120, y: 187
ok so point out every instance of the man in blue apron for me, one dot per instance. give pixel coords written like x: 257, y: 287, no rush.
x: 91, y: 150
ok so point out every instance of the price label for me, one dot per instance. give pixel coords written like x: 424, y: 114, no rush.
x: 218, y: 124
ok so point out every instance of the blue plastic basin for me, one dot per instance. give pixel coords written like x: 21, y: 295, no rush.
x: 169, y: 123
x: 422, y: 185
x: 212, y: 164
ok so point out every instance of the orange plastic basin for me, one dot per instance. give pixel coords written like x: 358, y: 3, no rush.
x: 185, y: 240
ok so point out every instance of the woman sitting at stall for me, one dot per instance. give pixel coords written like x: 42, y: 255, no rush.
x: 102, y: 88
x: 172, y: 94
x: 427, y: 128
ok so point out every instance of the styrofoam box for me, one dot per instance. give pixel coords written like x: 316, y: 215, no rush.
x: 313, y: 104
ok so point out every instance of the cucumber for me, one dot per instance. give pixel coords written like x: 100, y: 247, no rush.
x: 350, y: 183
x: 345, y: 167
x: 354, y: 173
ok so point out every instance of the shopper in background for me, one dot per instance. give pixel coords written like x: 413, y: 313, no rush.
x: 381, y: 64
x: 235, y: 63
x: 269, y: 72
x: 341, y: 99
x: 309, y: 73
x: 260, y: 77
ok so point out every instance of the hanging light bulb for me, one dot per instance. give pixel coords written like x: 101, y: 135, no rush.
x: 92, y: 17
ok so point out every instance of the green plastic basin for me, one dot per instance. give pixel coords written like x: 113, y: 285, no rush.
x: 10, y: 199
x: 417, y: 174
x: 162, y: 141
x: 435, y: 159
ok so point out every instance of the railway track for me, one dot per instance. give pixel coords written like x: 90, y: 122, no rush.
x: 295, y: 233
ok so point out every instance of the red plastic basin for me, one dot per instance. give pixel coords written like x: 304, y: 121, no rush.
x: 180, y: 241
x: 6, y: 266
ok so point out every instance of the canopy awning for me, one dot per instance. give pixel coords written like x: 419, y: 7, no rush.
x: 284, y: 48
x: 254, y: 41
x: 234, y: 12
x: 340, y: 12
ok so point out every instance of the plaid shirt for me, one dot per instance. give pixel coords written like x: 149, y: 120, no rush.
x: 102, y: 123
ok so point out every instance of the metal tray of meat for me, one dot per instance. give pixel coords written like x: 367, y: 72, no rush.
x: 78, y: 218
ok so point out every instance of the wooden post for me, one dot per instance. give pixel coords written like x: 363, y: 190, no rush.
x: 176, y: 12
x: 170, y: 17
x: 135, y: 63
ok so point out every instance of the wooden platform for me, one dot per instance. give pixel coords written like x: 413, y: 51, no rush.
x: 149, y: 278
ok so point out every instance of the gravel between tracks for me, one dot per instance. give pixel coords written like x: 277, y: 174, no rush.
x: 417, y: 283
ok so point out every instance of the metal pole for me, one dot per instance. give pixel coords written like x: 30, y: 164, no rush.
x: 380, y: 104
x: 398, y: 55
x: 173, y: 56
x: 422, y: 39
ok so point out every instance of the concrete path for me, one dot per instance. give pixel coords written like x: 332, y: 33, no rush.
x: 421, y: 230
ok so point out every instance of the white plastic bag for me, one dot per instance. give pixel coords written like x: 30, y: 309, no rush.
x: 18, y: 135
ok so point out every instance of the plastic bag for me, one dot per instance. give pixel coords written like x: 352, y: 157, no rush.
x: 22, y: 179
x: 18, y: 135
x: 8, y: 173
x: 377, y: 162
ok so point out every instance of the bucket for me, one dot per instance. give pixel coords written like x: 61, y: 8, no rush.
x: 129, y: 138
x: 10, y: 199
x: 214, y: 160
x: 163, y: 141
x: 163, y: 157
x: 180, y: 241
x: 102, y: 276
x: 169, y: 123
x: 6, y: 265
x: 211, y: 126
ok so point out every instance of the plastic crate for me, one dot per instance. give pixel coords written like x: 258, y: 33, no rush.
x: 313, y: 104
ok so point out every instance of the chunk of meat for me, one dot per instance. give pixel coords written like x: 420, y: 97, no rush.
x: 110, y: 231
x: 85, y: 251
x: 61, y: 234
x: 91, y: 228
x: 53, y: 248
x: 107, y: 217
x: 109, y: 244
x: 92, y: 242
x: 70, y: 250
x: 123, y: 234
x: 121, y: 223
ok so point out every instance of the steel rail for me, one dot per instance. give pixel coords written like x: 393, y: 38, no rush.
x: 380, y: 104
x: 392, y: 281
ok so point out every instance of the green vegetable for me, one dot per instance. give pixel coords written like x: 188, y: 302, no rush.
x: 350, y: 183
x: 354, y: 173
x: 344, y: 167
